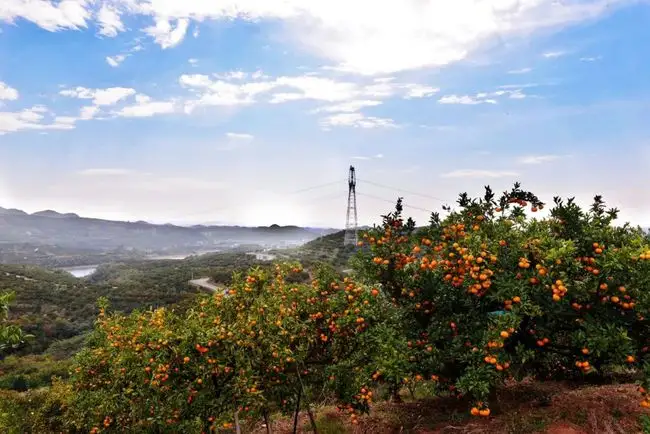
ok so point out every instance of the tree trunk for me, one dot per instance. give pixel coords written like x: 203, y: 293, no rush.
x: 311, y: 415
x: 395, y: 397
x: 267, y: 422
x: 295, y: 417
x: 237, y: 427
x: 311, y: 419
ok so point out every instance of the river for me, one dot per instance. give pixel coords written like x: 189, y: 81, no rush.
x: 82, y: 271
x: 87, y: 270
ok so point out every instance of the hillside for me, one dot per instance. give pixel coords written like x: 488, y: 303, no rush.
x: 362, y: 348
x: 42, y: 236
x: 328, y: 248
x: 53, y: 305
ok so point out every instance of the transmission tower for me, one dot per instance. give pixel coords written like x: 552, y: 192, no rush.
x: 351, y: 236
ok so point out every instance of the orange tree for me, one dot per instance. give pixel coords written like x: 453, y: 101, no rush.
x: 267, y: 345
x: 11, y: 336
x: 487, y: 294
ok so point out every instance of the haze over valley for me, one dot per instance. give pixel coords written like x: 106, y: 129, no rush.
x: 50, y: 238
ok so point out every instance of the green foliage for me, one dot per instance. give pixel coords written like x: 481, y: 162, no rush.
x: 252, y: 352
x: 481, y: 296
x: 11, y: 336
x: 327, y: 249
x: 31, y: 372
x: 486, y: 293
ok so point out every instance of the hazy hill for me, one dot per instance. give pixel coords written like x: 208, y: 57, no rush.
x: 50, y: 228
x: 328, y: 248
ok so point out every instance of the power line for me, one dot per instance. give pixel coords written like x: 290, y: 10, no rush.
x: 291, y: 193
x: 403, y: 190
x: 315, y: 187
x: 394, y: 202
x: 239, y: 206
x: 341, y: 182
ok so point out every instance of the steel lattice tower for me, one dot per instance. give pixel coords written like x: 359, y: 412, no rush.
x: 351, y: 236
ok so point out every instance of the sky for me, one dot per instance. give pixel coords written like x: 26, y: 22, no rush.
x: 250, y: 112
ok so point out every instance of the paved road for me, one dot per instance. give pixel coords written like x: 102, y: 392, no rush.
x: 204, y: 283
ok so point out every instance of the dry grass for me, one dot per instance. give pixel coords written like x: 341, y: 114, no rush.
x: 521, y: 408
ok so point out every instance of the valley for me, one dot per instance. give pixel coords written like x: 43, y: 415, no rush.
x: 52, y: 239
x: 395, y: 332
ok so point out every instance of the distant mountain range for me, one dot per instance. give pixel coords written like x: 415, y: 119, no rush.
x: 51, y: 228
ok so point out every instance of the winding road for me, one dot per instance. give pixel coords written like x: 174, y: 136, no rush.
x: 204, y: 283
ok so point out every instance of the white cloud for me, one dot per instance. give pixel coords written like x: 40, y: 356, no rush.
x: 147, y: 108
x: 554, y: 54
x: 111, y: 95
x: 519, y: 86
x: 364, y: 36
x: 195, y: 80
x: 109, y: 21
x: 220, y: 92
x: 7, y: 92
x: 29, y: 119
x: 316, y: 88
x: 232, y: 75
x: 538, y: 159
x: 165, y: 34
x: 240, y: 136
x: 469, y: 173
x: 520, y: 71
x: 78, y: 92
x: 141, y: 98
x: 193, y: 61
x: 347, y: 97
x: 85, y: 113
x: 464, y: 99
x: 373, y: 157
x: 88, y: 112
x: 517, y: 94
x: 30, y: 115
x: 419, y: 91
x: 230, y: 89
x: 104, y: 172
x: 66, y: 14
x: 66, y: 120
x: 100, y: 97
x: 357, y: 120
x: 591, y: 59
x: 348, y: 106
x: 115, y: 61
x: 482, y: 97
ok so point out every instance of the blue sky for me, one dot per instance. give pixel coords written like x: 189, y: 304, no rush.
x: 204, y: 111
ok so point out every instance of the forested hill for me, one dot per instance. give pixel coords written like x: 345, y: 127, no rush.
x: 71, y: 231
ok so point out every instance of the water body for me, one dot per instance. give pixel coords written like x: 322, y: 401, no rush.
x: 87, y: 270
x: 82, y: 271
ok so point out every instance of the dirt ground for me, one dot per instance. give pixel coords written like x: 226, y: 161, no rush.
x: 521, y: 408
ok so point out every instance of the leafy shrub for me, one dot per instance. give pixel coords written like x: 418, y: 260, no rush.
x: 481, y: 296
x: 265, y: 347
x: 11, y: 336
x: 487, y: 293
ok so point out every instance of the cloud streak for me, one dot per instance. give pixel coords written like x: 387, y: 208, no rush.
x: 395, y: 37
x: 476, y: 173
